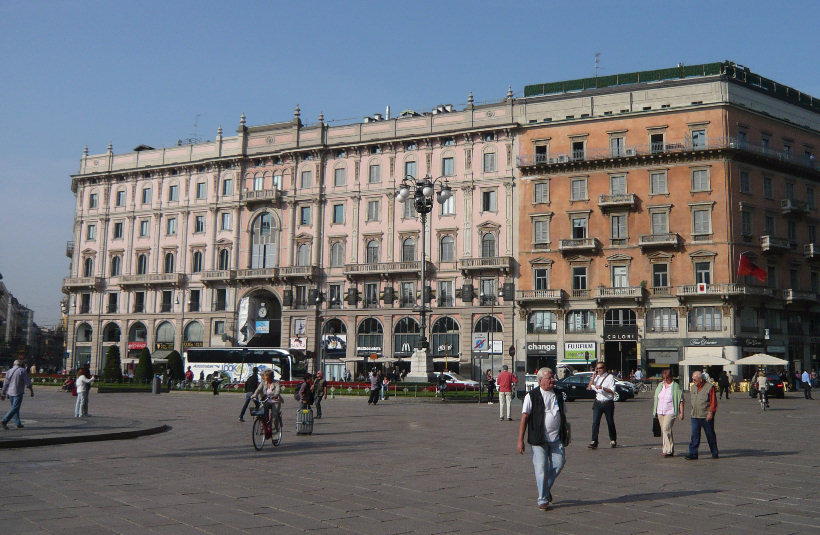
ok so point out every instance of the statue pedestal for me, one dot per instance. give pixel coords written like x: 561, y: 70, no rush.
x: 421, y: 367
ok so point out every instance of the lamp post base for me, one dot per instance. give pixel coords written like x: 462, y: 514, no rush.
x: 421, y: 367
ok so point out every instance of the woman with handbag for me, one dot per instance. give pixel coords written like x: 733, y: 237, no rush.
x: 668, y: 405
x: 488, y: 378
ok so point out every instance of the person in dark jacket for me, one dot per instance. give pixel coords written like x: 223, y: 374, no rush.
x: 319, y: 392
x: 543, y: 416
x: 375, y: 386
x: 723, y: 384
x: 250, y: 387
x: 306, y: 392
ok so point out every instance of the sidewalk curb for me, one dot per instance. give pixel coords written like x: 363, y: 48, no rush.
x: 73, y: 439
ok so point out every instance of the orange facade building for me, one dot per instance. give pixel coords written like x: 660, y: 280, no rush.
x: 637, y: 197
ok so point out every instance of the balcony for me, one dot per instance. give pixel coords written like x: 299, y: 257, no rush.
x: 724, y: 290
x: 790, y: 207
x: 792, y: 296
x: 489, y: 263
x: 298, y: 272
x: 606, y: 293
x: 669, y: 239
x: 257, y: 274
x: 69, y: 249
x: 540, y: 296
x: 77, y: 283
x: 662, y: 291
x: 385, y: 268
x: 770, y: 244
x: 218, y: 276
x: 261, y: 196
x: 626, y: 200
x: 153, y: 279
x: 578, y: 245
x: 811, y: 251
x: 579, y: 294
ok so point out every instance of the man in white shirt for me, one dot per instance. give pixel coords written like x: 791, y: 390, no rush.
x: 638, y: 375
x: 806, y: 379
x: 603, y: 384
x: 544, y: 417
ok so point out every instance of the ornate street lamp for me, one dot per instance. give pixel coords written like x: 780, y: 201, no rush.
x: 422, y: 192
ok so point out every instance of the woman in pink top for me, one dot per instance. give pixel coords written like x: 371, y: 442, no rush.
x: 668, y: 405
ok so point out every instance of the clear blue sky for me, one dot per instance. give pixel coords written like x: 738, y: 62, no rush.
x: 76, y: 73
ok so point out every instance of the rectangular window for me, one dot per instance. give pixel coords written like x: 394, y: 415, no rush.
x: 193, y: 301
x: 617, y: 185
x: 139, y: 301
x: 578, y: 150
x: 700, y: 180
x: 112, y: 303
x: 656, y: 143
x: 227, y: 187
x: 810, y: 197
x: 790, y: 190
x: 741, y: 139
x: 219, y: 327
x: 91, y: 232
x: 277, y: 181
x: 662, y: 320
x: 117, y: 230
x: 446, y: 295
x: 660, y: 222
x: 489, y: 162
x: 165, y: 305
x: 220, y: 299
x: 768, y: 190
x: 579, y: 228
x: 541, y: 231
x: 771, y: 277
x: 121, y: 198
x: 449, y: 206
x: 371, y: 295
x: 658, y: 183
x: 373, y: 210
x: 812, y: 231
x: 541, y: 153
x: 146, y: 195
x: 334, y: 296
x: 487, y: 292
x: 705, y: 319
x: 407, y: 295
x: 171, y: 226
x: 448, y: 167
x: 768, y: 221
x: 745, y: 185
x: 85, y: 303
x: 225, y: 221
x: 300, y: 297
x: 579, y: 278
x: 814, y: 282
x: 200, y: 190
x: 258, y: 183
x: 304, y: 215
x: 306, y: 179
x: 92, y: 200
x: 617, y: 146
x: 173, y: 193
x: 410, y: 169
x: 791, y: 232
x: 746, y: 223
x: 409, y: 209
x: 339, y: 177
x: 488, y: 202
x: 144, y: 228
x: 703, y: 272
x: 541, y: 192
x: 541, y: 278
x: 338, y: 214
x: 578, y: 189
x: 701, y: 222
x: 375, y: 174
x: 620, y: 276
x: 699, y: 139
x: 618, y: 227
x: 199, y: 223
x: 660, y: 275
x: 794, y: 281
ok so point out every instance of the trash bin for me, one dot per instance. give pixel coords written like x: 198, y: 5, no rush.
x: 155, y: 385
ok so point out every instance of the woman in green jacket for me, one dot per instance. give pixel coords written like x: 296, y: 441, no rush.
x: 668, y: 405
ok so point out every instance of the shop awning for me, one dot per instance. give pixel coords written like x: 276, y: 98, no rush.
x: 126, y: 362
x: 704, y: 356
x: 762, y: 359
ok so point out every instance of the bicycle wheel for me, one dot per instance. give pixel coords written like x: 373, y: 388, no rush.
x: 258, y: 433
x: 276, y: 434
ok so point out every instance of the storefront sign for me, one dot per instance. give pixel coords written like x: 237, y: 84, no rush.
x: 579, y: 352
x: 703, y: 342
x: 776, y: 349
x: 367, y: 350
x: 137, y: 345
x: 164, y: 346
x: 262, y: 327
x: 751, y: 342
x: 621, y: 337
x: 187, y: 344
x: 620, y: 333
x: 542, y: 348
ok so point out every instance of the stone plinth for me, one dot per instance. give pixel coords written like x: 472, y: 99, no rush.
x: 421, y: 367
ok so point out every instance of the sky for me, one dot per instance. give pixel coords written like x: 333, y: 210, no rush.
x: 78, y: 73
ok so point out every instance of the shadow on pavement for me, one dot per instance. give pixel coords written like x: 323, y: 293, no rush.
x: 755, y: 453
x: 631, y: 498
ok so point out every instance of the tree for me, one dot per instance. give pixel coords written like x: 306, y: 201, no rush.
x: 112, y: 371
x: 144, y: 372
x: 175, y: 365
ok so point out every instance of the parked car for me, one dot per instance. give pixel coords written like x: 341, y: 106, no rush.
x: 458, y: 382
x: 774, y: 386
x: 626, y: 384
x: 575, y: 387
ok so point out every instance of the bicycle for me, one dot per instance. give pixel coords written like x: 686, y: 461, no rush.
x: 263, y: 430
x: 640, y: 386
x: 764, y: 399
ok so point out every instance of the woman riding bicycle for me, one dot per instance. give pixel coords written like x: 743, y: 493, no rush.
x: 269, y: 393
x: 762, y: 388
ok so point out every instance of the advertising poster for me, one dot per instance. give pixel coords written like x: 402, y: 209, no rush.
x: 579, y: 352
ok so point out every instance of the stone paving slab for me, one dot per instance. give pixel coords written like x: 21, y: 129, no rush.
x: 405, y: 467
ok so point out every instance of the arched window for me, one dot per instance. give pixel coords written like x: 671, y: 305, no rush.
x: 406, y: 336
x: 88, y: 267
x: 116, y: 266
x: 408, y: 250
x: 620, y: 316
x: 448, y: 249
x: 337, y: 255
x: 84, y: 333
x: 373, y: 252
x: 542, y: 321
x: 263, y: 242
x: 196, y: 262
x: 138, y: 333
x: 303, y: 255
x: 165, y: 333
x: 194, y: 332
x: 488, y: 324
x: 111, y: 333
x: 224, y: 259
x: 488, y: 245
x: 258, y: 182
x: 370, y: 336
x: 142, y: 264
x: 169, y: 262
x: 580, y: 321
x: 445, y: 342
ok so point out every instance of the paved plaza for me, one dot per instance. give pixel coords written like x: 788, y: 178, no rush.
x: 405, y: 466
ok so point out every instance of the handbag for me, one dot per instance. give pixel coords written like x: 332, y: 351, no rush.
x: 567, y: 434
x: 656, y: 426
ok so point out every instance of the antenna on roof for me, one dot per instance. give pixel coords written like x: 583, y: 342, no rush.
x: 193, y: 137
x: 597, y: 63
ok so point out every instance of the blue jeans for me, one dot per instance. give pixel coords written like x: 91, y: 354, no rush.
x: 248, y: 396
x: 548, y: 460
x: 81, y: 407
x: 16, y: 401
x: 709, y: 428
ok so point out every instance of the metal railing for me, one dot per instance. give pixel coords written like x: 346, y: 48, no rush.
x: 768, y: 243
x: 687, y: 290
x: 540, y: 295
x: 615, y: 292
x: 659, y: 240
x: 257, y: 273
x: 579, y: 294
x: 261, y: 195
x: 218, y: 275
x: 622, y: 199
x: 489, y: 262
x: 578, y: 243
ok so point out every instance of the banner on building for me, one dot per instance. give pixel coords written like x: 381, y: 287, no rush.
x: 579, y: 352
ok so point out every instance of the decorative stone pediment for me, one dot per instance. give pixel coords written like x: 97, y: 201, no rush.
x: 579, y: 259
x: 302, y: 236
x: 488, y: 226
x: 620, y: 257
x: 540, y: 260
x: 659, y: 255
x: 700, y: 253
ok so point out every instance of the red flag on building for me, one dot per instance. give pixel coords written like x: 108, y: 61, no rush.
x: 747, y: 267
